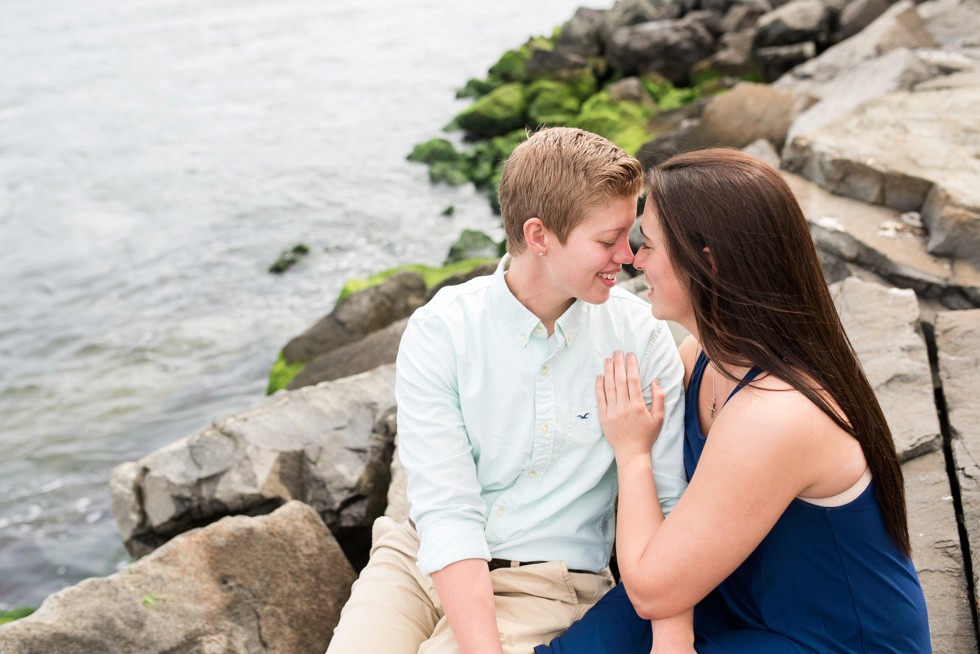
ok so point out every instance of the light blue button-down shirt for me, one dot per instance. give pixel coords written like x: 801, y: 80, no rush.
x: 499, y: 430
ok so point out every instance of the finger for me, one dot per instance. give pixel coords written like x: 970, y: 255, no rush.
x: 633, y: 378
x: 657, y: 405
x: 619, y: 367
x: 609, y: 381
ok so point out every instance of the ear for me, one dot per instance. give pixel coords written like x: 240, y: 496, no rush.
x: 536, y: 235
x: 711, y: 259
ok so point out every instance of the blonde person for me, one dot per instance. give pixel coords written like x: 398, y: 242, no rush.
x: 510, y: 479
x: 792, y: 536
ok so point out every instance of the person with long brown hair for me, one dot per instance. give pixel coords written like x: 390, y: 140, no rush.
x: 792, y: 535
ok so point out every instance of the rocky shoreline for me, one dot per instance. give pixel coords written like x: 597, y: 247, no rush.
x: 249, y: 533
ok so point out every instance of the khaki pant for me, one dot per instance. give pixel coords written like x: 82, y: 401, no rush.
x: 394, y: 608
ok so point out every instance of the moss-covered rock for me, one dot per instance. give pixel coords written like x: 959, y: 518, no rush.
x: 625, y: 123
x: 282, y: 373
x: 451, y: 172
x: 433, y: 276
x: 501, y: 111
x: 434, y: 150
x: 15, y: 614
x: 552, y: 103
x: 668, y: 96
x: 473, y: 244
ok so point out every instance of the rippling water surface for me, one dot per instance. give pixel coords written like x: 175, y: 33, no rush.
x: 155, y: 158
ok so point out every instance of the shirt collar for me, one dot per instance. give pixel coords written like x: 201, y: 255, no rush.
x: 521, y: 322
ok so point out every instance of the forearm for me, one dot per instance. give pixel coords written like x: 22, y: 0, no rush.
x: 466, y: 594
x: 674, y: 634
x: 638, y: 515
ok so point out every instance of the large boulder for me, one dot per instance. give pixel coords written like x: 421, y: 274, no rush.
x: 668, y: 47
x: 374, y: 350
x: 898, y: 70
x: 899, y: 27
x: 580, y: 35
x: 798, y: 21
x: 877, y: 239
x: 937, y: 554
x: 911, y: 151
x: 328, y: 445
x: 750, y: 112
x: 957, y: 335
x: 358, y: 315
x: 883, y: 326
x: 242, y: 585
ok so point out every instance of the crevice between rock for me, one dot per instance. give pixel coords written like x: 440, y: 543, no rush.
x: 929, y: 333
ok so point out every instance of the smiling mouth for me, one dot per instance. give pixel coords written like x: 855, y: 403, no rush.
x: 610, y: 276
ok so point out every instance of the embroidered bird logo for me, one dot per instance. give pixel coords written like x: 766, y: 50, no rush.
x: 583, y: 416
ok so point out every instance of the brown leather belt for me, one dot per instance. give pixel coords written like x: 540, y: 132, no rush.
x: 495, y: 564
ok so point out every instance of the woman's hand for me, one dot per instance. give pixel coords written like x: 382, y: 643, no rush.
x: 629, y: 425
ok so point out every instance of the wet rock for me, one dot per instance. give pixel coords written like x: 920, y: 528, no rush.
x: 326, y: 445
x: 358, y: 315
x: 883, y: 326
x: 376, y: 349
x: 239, y: 586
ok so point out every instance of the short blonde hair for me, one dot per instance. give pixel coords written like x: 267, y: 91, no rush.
x: 561, y: 175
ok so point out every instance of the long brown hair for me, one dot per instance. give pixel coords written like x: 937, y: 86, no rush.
x: 761, y: 300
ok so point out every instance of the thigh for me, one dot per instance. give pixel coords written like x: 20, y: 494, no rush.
x: 747, y: 641
x: 390, y: 609
x: 533, y: 604
x: 612, y: 626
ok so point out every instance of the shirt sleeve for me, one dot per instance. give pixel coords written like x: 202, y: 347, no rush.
x: 661, y: 360
x: 443, y: 490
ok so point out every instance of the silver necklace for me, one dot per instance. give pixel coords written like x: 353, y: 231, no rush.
x: 714, y: 398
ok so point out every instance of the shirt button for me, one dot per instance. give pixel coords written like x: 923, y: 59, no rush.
x: 545, y: 427
x: 544, y: 370
x: 538, y: 330
x: 500, y: 510
x: 532, y: 474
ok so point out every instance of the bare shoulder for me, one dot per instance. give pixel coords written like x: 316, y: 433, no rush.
x: 688, y: 350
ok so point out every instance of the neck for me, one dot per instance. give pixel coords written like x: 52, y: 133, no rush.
x: 527, y: 279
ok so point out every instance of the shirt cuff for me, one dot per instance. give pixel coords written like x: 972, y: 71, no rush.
x: 443, y: 542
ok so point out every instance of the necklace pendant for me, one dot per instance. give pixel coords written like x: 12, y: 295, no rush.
x: 712, y: 408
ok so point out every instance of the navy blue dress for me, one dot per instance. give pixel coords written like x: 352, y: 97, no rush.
x: 825, y: 579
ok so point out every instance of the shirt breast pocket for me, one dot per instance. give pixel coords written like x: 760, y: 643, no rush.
x: 584, y: 430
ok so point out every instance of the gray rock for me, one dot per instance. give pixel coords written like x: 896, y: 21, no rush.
x: 398, y: 506
x: 668, y: 47
x: 743, y: 15
x: 774, y: 61
x: 750, y: 112
x: 710, y: 18
x: 898, y: 70
x: 876, y: 239
x: 856, y: 15
x: 545, y: 62
x: 630, y: 89
x: 376, y: 349
x: 327, y: 445
x: 358, y: 315
x: 953, y: 23
x: 239, y: 586
x: 883, y: 326
x: 763, y: 149
x: 899, y: 27
x: 734, y: 55
x: 911, y: 151
x: 581, y: 33
x: 795, y: 22
x: 625, y: 13
x: 937, y: 554
x: 957, y: 335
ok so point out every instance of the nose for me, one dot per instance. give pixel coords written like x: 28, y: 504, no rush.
x: 639, y: 261
x: 624, y: 253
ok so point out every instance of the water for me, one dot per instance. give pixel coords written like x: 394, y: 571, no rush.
x: 155, y: 158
